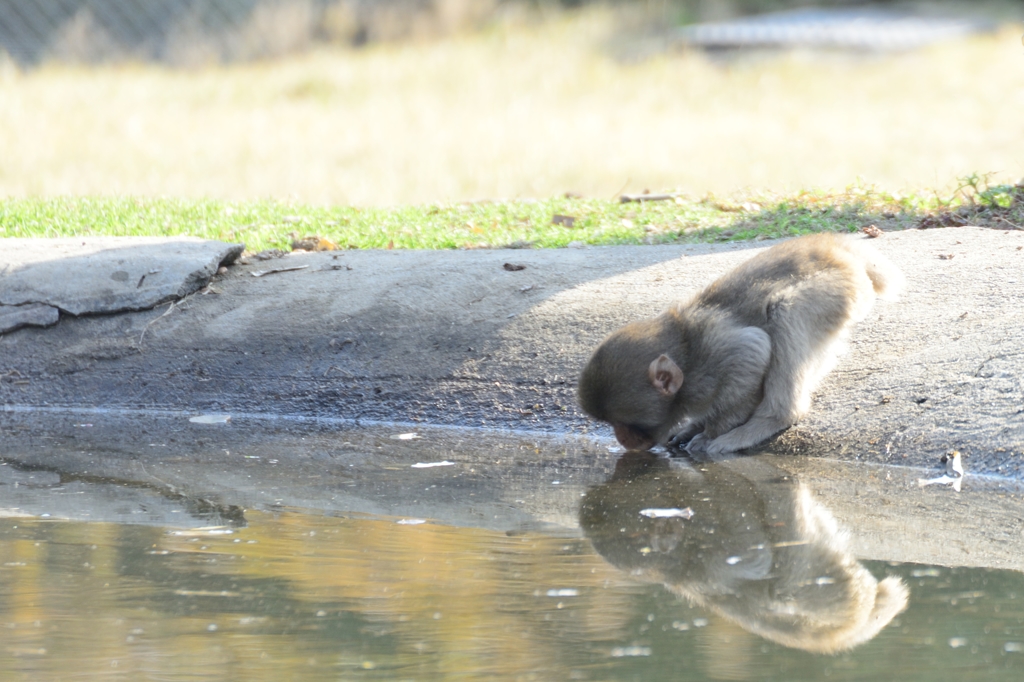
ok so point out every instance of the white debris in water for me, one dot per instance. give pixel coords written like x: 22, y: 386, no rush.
x: 700, y: 622
x: 733, y: 560
x: 623, y: 651
x: 427, y: 465
x: 410, y: 522
x: 1013, y: 647
x: 670, y: 513
x: 564, y: 592
x: 211, y: 419
x: 825, y: 580
x: 941, y: 480
x: 957, y: 642
x: 405, y: 436
x: 954, y: 473
x: 925, y: 573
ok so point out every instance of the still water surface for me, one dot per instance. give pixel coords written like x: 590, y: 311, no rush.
x: 748, y: 579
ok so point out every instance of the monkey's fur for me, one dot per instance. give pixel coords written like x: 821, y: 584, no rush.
x: 737, y: 363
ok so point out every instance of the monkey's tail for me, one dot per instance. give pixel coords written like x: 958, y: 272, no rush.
x: 891, y: 597
x: 886, y: 279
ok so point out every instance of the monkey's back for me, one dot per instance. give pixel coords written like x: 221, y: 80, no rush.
x: 844, y: 274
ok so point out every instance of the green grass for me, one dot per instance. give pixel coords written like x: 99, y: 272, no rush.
x: 266, y: 224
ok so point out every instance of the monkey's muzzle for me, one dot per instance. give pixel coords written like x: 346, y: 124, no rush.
x: 632, y: 438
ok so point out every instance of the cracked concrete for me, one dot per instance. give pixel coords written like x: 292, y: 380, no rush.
x: 101, y: 275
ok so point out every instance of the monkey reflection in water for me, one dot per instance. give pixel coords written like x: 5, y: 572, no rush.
x: 758, y: 549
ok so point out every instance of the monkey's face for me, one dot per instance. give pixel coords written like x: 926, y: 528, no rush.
x: 631, y: 384
x: 636, y: 412
x: 640, y: 417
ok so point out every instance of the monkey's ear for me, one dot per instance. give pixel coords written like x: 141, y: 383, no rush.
x: 665, y: 375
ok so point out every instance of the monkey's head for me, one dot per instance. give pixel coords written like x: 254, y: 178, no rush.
x: 632, y: 383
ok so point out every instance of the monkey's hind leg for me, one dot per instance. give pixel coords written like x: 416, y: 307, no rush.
x: 786, y: 398
x: 808, y: 330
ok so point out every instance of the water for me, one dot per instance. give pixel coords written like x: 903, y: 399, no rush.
x: 306, y: 597
x: 744, y: 573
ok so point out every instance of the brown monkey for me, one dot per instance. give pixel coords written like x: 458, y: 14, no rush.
x: 737, y: 363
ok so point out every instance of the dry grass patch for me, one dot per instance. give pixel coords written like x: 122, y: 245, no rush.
x: 519, y: 111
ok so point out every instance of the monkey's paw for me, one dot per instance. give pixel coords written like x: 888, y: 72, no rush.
x: 717, y: 447
x: 725, y: 444
x: 698, y: 444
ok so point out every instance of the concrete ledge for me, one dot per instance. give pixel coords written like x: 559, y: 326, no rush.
x: 455, y: 338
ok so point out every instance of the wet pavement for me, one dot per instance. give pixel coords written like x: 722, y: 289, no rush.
x: 185, y: 473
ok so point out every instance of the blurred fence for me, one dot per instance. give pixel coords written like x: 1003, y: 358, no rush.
x: 186, y: 32
x: 195, y: 32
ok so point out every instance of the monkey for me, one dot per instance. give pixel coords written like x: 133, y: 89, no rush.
x: 738, y: 362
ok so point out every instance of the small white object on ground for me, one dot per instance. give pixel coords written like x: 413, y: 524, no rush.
x: 427, y: 465
x: 410, y: 522
x: 261, y: 273
x: 954, y: 473
x: 405, y: 436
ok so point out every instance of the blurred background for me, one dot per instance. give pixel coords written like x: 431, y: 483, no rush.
x: 384, y: 102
